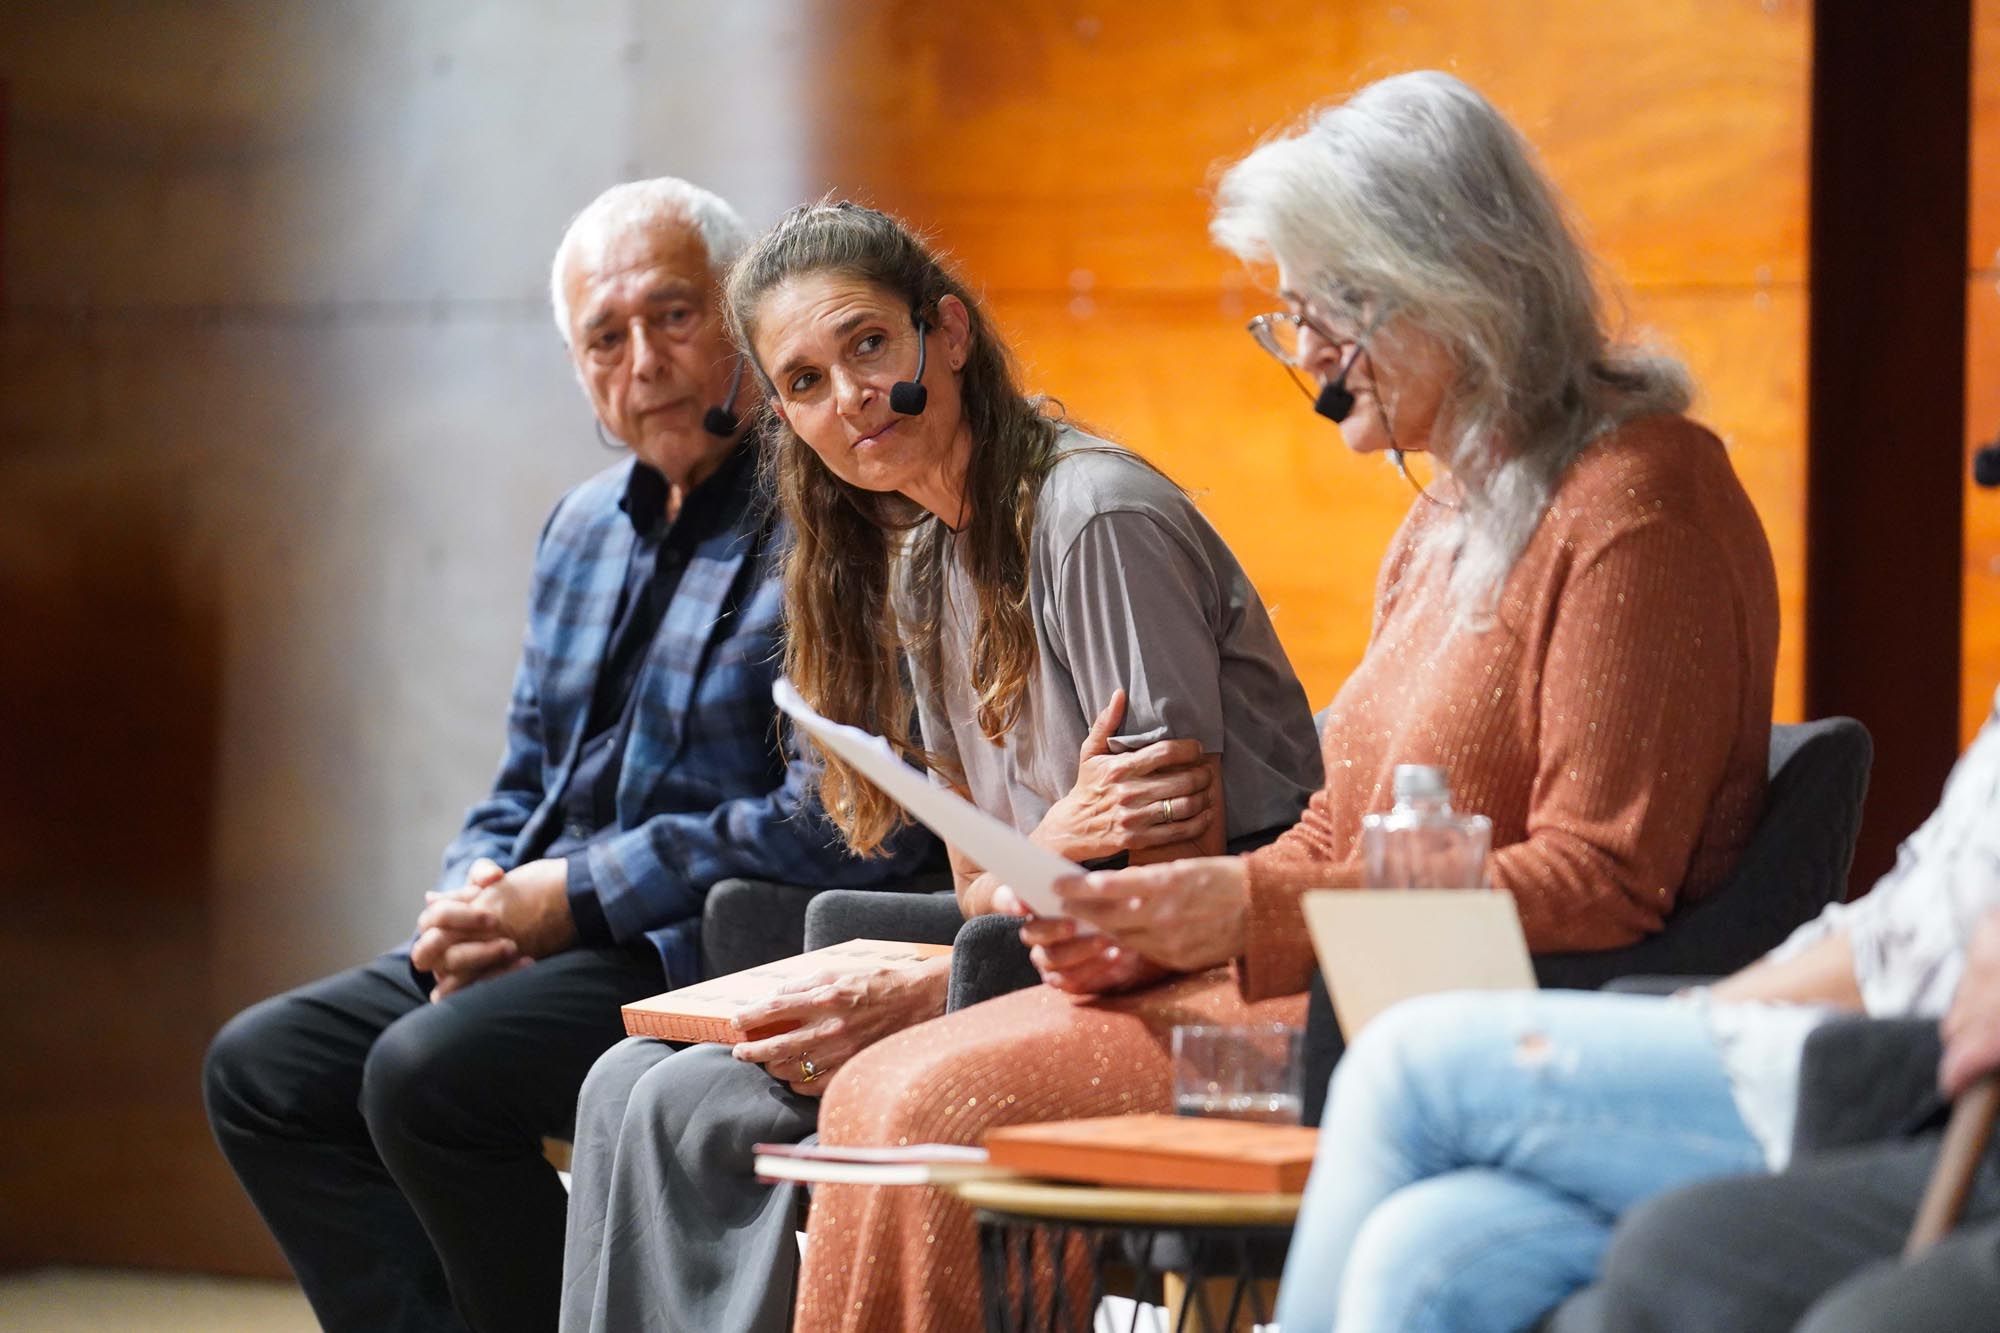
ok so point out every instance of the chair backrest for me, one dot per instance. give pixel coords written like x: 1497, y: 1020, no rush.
x: 1795, y: 864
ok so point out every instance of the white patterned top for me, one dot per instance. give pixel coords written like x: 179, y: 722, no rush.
x: 1908, y: 935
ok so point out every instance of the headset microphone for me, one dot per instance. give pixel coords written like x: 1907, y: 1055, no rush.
x: 1336, y: 400
x: 907, y: 397
x: 1986, y: 465
x: 722, y: 420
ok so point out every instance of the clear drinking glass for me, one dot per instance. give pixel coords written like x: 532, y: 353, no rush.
x: 1243, y: 1072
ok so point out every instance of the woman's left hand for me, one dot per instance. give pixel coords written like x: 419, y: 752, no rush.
x: 831, y: 1019
x: 1184, y: 915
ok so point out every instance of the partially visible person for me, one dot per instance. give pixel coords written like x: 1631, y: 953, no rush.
x: 1821, y: 1240
x: 1085, y: 660
x: 388, y: 1121
x: 1818, y: 1246
x: 1578, y: 620
x: 1477, y: 1149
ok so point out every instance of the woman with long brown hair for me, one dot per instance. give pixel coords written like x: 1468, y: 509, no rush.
x: 1083, y: 658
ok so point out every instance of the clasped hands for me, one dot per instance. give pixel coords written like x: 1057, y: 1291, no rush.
x: 500, y: 921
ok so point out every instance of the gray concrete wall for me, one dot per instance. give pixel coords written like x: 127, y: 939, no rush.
x: 281, y: 412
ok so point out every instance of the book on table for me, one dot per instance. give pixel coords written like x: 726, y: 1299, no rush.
x: 907, y: 1164
x: 706, y: 1011
x: 1160, y: 1152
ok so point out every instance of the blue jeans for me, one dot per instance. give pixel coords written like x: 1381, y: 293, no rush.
x: 1478, y: 1148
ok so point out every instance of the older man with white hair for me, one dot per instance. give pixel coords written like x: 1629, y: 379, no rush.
x: 387, y: 1121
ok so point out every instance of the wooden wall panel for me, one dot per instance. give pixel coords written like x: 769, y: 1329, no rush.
x: 1062, y: 151
x: 1051, y: 135
x: 1981, y: 648
x: 1983, y: 238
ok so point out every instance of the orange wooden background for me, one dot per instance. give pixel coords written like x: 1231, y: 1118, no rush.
x: 280, y: 410
x: 1981, y: 671
x: 1061, y: 150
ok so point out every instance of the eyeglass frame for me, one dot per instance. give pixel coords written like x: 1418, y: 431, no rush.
x: 1260, y: 333
x: 1259, y: 329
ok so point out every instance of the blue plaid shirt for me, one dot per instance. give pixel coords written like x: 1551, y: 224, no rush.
x: 707, y: 787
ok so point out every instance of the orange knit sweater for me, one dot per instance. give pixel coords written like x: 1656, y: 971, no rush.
x: 1613, y: 721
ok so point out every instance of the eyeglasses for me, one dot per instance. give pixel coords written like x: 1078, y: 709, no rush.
x: 1279, y: 334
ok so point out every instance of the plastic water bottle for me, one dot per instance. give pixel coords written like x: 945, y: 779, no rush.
x: 1423, y: 843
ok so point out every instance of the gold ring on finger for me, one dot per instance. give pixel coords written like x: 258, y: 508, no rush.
x: 808, y: 1071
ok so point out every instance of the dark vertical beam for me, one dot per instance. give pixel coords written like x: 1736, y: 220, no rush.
x: 1885, y: 414
x: 4, y: 91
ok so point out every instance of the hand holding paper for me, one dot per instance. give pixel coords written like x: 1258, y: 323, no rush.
x: 1030, y: 870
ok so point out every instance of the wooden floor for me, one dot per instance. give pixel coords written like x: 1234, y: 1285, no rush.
x: 84, y: 1300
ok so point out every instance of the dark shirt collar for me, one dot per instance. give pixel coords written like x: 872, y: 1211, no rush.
x: 715, y: 500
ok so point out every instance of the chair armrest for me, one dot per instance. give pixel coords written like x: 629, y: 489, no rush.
x: 746, y: 923
x: 917, y: 914
x: 1864, y: 1079
x: 988, y: 959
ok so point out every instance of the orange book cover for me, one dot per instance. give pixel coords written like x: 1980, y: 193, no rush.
x: 706, y: 1011
x: 1161, y: 1152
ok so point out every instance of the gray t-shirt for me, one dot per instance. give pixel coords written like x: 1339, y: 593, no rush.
x: 1130, y: 588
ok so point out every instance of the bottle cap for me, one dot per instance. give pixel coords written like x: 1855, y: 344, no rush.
x: 1421, y: 782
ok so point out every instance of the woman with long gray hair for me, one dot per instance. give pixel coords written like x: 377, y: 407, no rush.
x: 1578, y: 620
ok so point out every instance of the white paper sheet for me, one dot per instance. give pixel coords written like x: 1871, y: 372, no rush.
x: 1023, y: 866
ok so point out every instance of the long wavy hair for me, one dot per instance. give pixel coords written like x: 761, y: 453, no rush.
x: 1415, y: 198
x: 851, y: 548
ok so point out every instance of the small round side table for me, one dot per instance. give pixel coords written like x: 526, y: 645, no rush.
x: 1211, y: 1258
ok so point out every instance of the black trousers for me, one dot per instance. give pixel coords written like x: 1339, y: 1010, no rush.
x: 1813, y: 1249
x: 393, y: 1146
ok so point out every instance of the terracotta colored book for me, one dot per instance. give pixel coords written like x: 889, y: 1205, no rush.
x: 706, y: 1011
x: 1161, y: 1152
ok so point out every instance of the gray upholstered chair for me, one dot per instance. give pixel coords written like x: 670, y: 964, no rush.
x: 748, y: 922
x: 1796, y: 863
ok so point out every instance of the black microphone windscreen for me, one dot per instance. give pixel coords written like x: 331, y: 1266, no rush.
x: 1334, y: 401
x: 907, y: 398
x: 720, y: 421
x: 1986, y: 465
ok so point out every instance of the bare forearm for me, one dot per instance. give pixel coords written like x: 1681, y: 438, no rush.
x: 1822, y: 974
x: 931, y: 981
x: 973, y: 886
